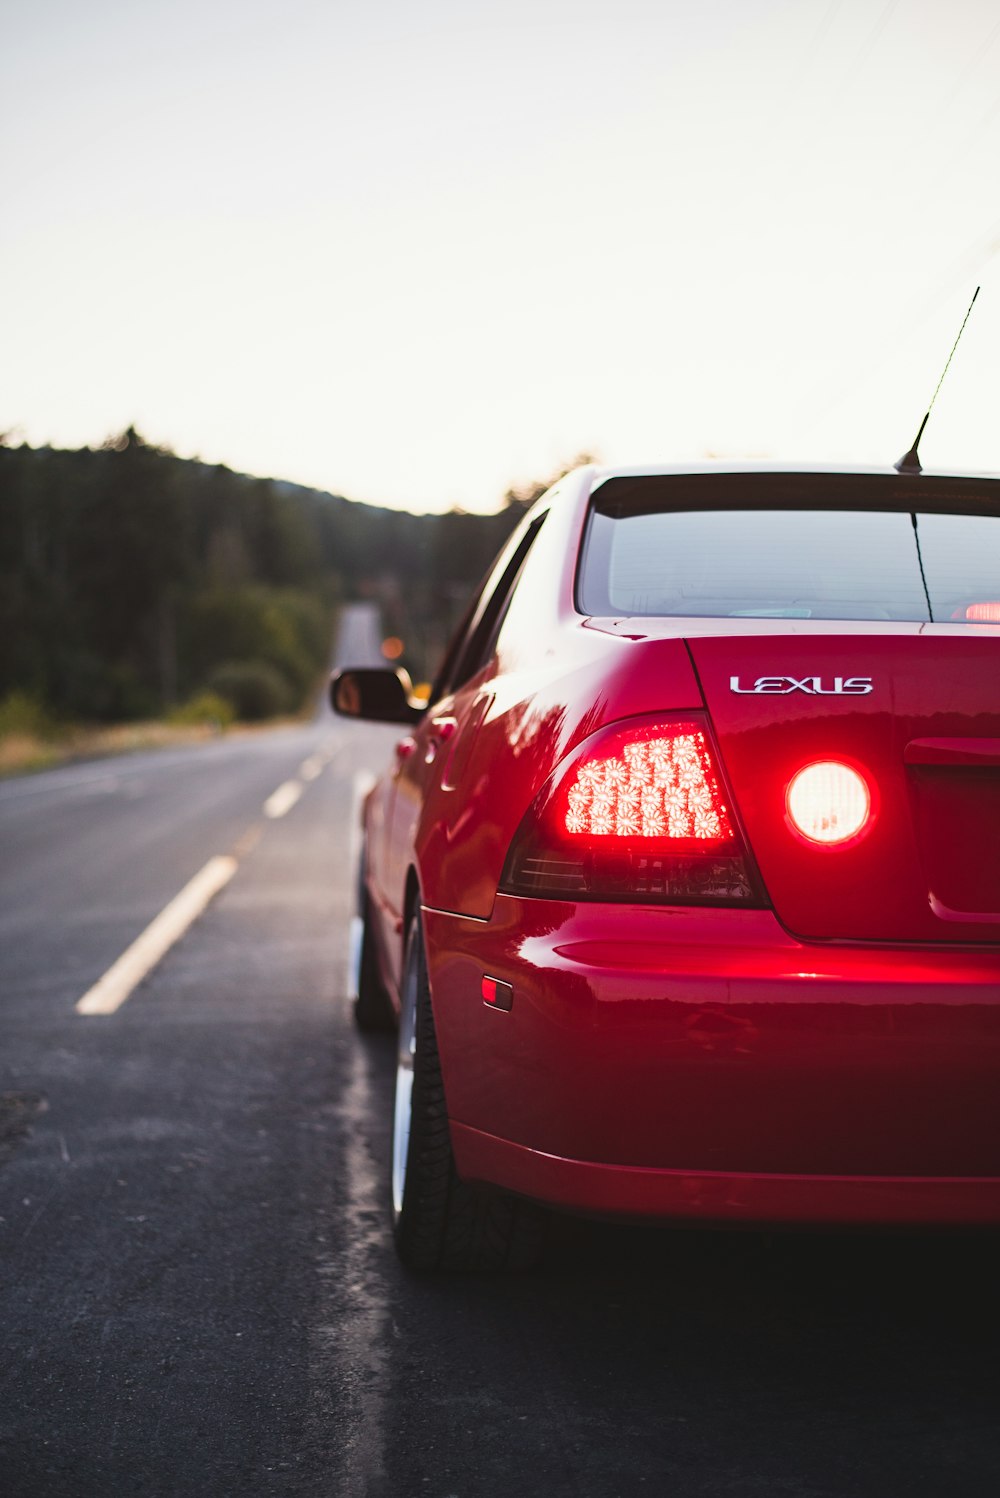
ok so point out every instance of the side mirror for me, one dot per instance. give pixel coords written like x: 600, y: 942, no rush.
x: 376, y: 693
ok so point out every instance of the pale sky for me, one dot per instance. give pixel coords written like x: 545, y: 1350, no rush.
x: 415, y: 253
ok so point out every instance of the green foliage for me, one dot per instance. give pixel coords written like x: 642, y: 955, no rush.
x: 22, y: 715
x: 128, y: 575
x: 129, y: 578
x: 254, y: 689
x: 287, y: 631
x: 206, y: 708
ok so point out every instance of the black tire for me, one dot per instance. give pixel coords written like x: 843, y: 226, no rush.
x: 373, y: 1011
x: 443, y: 1223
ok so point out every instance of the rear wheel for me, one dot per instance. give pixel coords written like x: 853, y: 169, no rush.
x: 440, y: 1221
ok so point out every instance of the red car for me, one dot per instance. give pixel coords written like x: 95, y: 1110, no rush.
x: 685, y: 885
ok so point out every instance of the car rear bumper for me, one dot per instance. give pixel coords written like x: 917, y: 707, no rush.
x: 720, y: 1197
x: 702, y: 1063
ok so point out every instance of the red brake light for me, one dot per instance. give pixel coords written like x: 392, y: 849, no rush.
x: 638, y: 811
x: 979, y: 613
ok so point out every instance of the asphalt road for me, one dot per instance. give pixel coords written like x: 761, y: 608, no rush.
x: 198, y: 1293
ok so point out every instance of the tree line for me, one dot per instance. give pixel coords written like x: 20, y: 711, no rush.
x: 133, y: 582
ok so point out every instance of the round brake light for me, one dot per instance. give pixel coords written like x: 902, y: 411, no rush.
x: 828, y: 802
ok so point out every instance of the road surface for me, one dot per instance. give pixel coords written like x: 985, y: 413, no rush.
x: 198, y: 1290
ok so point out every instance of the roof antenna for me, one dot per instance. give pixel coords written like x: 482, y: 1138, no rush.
x: 909, y: 462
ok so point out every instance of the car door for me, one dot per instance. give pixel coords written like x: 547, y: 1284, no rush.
x: 435, y: 752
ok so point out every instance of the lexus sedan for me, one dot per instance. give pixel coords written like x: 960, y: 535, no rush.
x: 683, y: 888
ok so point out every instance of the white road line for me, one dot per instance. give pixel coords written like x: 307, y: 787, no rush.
x: 110, y: 992
x: 361, y: 783
x: 283, y: 799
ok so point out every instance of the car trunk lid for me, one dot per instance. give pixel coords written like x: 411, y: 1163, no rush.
x: 915, y: 709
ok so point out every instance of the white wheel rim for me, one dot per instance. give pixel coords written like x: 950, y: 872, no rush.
x: 404, y: 1083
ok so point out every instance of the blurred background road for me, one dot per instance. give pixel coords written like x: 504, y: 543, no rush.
x: 199, y: 1293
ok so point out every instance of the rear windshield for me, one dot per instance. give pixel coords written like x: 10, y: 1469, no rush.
x: 792, y: 564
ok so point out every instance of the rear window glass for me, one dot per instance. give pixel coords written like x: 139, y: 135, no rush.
x: 793, y: 564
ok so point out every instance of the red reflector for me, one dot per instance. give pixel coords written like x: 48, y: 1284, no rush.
x: 497, y: 994
x: 662, y: 787
x: 983, y: 613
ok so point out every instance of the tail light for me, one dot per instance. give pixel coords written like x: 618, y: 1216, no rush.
x: 979, y: 613
x: 828, y: 802
x: 639, y: 811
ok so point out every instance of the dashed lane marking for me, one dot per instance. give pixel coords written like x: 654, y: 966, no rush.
x: 110, y: 992
x: 283, y: 799
x: 313, y: 766
x: 123, y: 977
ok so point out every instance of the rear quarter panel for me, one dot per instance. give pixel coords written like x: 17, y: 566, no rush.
x: 554, y: 679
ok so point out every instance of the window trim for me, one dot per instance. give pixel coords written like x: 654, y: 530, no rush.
x: 476, y: 634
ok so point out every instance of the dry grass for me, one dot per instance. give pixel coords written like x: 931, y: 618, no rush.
x: 22, y: 753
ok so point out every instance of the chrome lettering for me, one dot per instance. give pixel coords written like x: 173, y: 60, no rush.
x: 782, y: 686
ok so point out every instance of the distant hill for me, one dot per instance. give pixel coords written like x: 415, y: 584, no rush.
x: 132, y: 580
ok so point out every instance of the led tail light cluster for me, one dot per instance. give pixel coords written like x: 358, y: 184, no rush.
x: 639, y: 812
x: 658, y: 787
